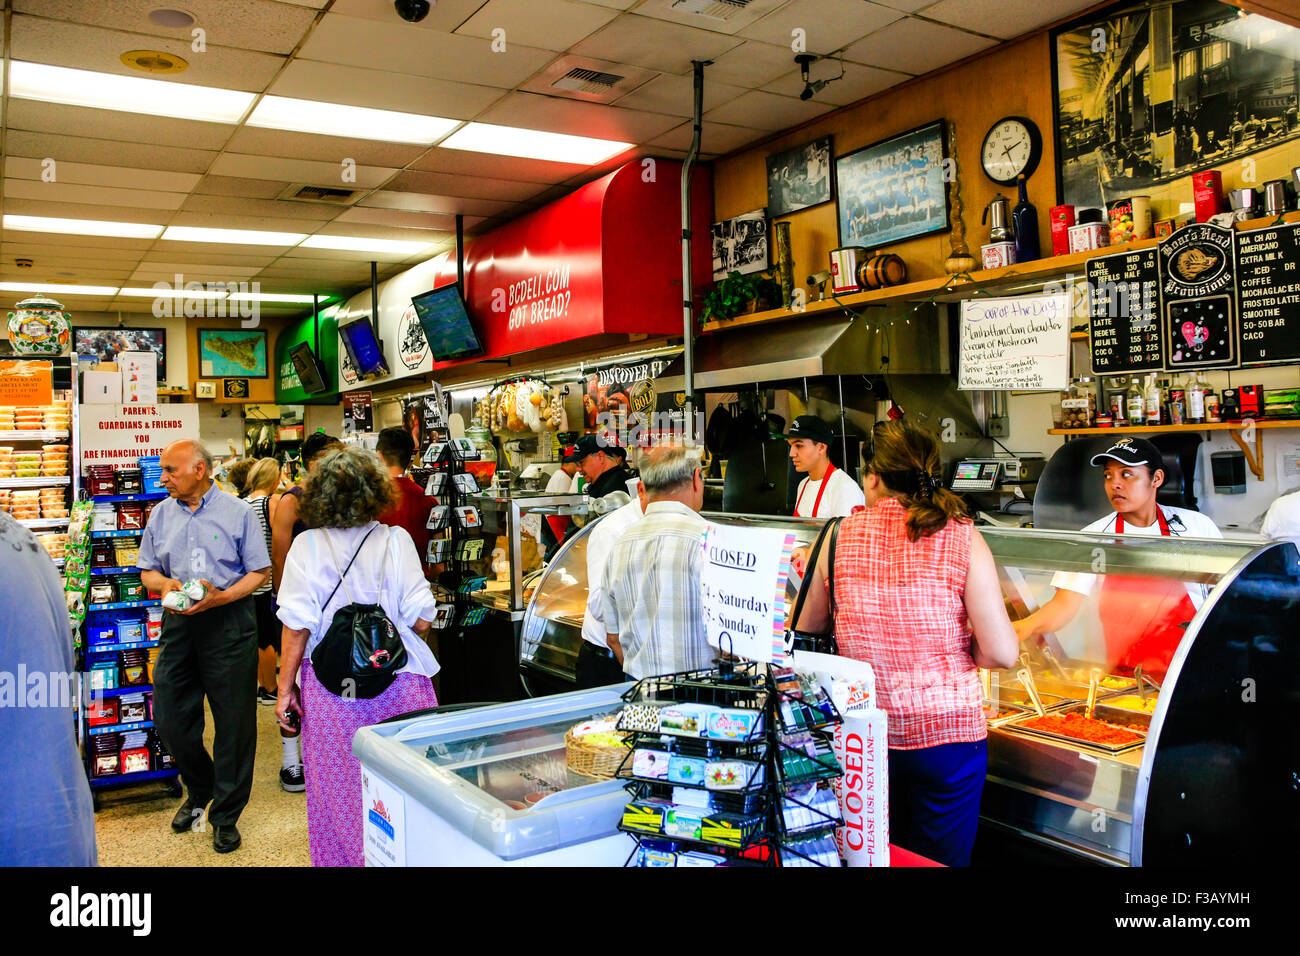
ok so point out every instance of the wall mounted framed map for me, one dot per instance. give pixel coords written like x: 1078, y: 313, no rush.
x: 233, y: 353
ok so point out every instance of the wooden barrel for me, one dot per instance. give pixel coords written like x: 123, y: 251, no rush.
x: 882, y: 270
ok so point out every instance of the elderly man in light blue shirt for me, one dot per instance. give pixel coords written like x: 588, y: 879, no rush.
x: 210, y: 649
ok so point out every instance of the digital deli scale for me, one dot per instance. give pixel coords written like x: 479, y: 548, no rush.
x: 988, y: 474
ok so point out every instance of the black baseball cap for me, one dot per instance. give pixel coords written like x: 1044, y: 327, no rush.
x: 590, y: 444
x: 1131, y: 451
x: 812, y: 428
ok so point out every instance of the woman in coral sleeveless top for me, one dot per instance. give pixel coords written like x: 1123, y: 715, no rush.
x: 917, y: 597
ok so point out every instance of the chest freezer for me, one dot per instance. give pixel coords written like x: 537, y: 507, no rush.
x: 489, y: 787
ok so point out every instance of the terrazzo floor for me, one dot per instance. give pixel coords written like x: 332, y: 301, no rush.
x: 133, y: 826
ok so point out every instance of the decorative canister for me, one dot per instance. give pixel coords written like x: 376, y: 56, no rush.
x: 40, y: 327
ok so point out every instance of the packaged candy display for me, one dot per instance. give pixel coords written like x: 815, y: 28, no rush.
x: 688, y: 720
x: 640, y: 717
x: 135, y: 668
x: 102, y: 592
x: 103, y: 674
x: 128, y: 481
x: 132, y: 708
x: 819, y: 851
x: 683, y: 769
x: 130, y: 517
x: 650, y: 764
x: 129, y: 588
x: 103, y: 712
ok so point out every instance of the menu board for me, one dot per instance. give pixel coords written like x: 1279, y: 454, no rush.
x: 1124, y: 313
x: 1015, y: 343
x: 1268, y: 284
x: 1199, y: 298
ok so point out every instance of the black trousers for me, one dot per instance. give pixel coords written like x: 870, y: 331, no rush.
x: 596, y: 668
x: 213, y: 654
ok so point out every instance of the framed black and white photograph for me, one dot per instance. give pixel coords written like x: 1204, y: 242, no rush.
x: 895, y: 189
x: 1148, y: 94
x: 799, y: 178
x: 740, y: 244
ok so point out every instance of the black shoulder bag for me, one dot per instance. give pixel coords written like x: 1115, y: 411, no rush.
x: 361, y: 653
x: 802, y: 640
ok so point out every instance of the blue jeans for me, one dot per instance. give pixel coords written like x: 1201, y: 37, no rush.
x: 934, y: 799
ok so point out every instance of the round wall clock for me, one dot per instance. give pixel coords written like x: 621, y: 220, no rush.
x: 1012, y: 147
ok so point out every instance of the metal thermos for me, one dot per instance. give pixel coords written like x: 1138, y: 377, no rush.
x: 998, y: 219
x: 1243, y: 204
x: 1275, y: 197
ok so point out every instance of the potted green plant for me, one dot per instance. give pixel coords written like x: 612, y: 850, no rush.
x: 738, y: 294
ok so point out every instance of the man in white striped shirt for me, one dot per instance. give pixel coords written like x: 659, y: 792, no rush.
x: 651, y: 599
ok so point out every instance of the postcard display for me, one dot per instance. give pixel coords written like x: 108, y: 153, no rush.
x: 1204, y: 298
x: 454, y: 527
x: 732, y: 766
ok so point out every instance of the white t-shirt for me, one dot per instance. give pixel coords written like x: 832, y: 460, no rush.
x: 310, y: 573
x: 599, y: 542
x: 1283, y: 518
x: 1182, y: 524
x: 842, y: 495
x: 560, y: 483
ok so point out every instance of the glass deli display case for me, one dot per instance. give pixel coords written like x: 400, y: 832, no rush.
x: 552, y: 628
x: 1191, y: 761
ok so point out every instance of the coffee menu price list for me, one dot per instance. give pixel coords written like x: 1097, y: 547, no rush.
x: 1268, y: 284
x: 1124, y: 313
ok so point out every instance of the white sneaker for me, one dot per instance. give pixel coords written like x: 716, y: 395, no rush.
x: 292, y: 779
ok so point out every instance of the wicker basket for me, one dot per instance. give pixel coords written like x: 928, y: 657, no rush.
x: 592, y: 760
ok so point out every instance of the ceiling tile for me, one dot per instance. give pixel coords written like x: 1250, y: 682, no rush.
x: 357, y: 42
x: 675, y: 95
x: 270, y: 208
x: 1006, y: 18
x: 328, y: 149
x: 377, y: 89
x: 431, y: 204
x: 237, y: 186
x: 907, y: 6
x: 82, y: 121
x: 859, y: 82
x: 40, y: 245
x: 242, y: 24
x: 828, y: 25
x: 207, y: 255
x: 915, y: 46
x: 60, y: 192
x: 737, y: 19
x: 96, y: 175
x: 626, y: 79
x: 531, y: 111
x: 340, y: 255
x: 298, y: 171
x: 106, y: 152
x: 554, y: 25
x: 403, y: 218
x: 715, y: 137
x: 654, y: 44
x: 471, y: 187
x: 208, y: 220
x: 757, y: 109
x: 151, y: 272
x: 464, y: 162
x: 613, y: 4
x: 93, y: 48
x: 83, y: 210
x: 750, y: 65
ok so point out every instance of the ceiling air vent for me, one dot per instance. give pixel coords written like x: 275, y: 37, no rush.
x: 330, y: 195
x: 588, y: 81
x: 711, y: 9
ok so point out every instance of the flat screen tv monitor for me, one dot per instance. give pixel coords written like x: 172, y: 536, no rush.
x: 446, y: 324
x: 363, y: 348
x: 310, y: 371
x: 104, y: 344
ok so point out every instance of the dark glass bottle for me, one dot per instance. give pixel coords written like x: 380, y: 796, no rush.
x: 1025, y: 220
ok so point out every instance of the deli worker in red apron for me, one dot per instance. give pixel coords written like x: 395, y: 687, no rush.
x: 827, y: 491
x: 1143, y: 618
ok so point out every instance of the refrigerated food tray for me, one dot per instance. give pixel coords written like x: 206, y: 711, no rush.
x: 1019, y: 724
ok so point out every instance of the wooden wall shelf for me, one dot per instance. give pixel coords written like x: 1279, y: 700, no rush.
x: 1254, y: 457
x: 939, y: 290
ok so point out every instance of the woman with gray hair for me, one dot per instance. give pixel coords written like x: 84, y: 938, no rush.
x: 346, y: 556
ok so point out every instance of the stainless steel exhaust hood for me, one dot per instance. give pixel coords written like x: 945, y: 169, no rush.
x: 809, y: 347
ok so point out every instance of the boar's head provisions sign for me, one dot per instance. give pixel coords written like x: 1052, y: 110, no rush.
x: 1199, y: 293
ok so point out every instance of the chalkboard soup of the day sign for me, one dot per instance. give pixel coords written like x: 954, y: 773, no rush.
x: 1199, y: 297
x: 1268, y: 282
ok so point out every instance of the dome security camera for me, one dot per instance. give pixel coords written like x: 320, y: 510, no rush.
x: 412, y: 11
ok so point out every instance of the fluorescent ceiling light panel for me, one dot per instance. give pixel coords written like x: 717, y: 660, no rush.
x: 173, y: 293
x: 533, y: 144
x: 56, y: 289
x: 358, y: 122
x: 128, y: 94
x: 243, y: 237
x: 273, y: 297
x: 361, y: 244
x: 82, y: 227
